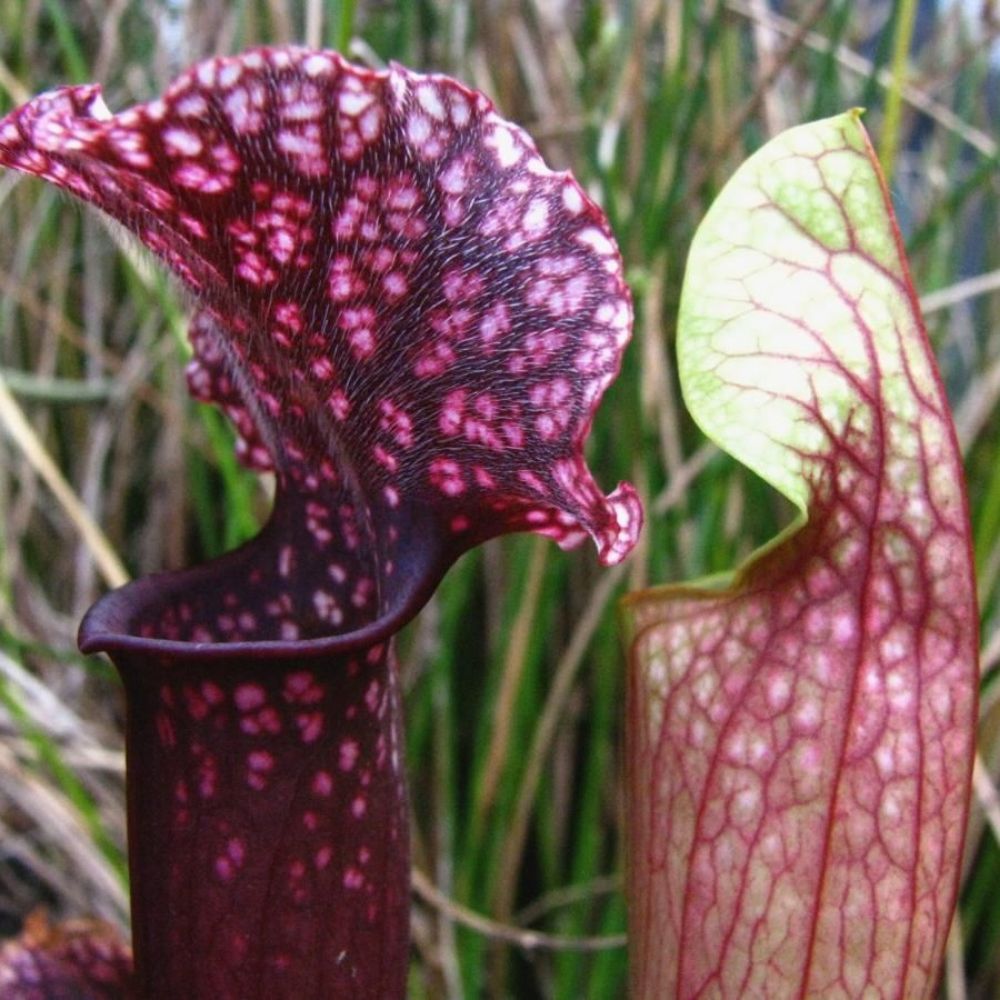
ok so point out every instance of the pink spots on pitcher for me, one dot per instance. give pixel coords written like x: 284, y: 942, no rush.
x: 200, y: 700
x: 207, y: 771
x: 338, y: 404
x: 345, y: 281
x: 439, y: 108
x: 243, y: 105
x: 373, y: 697
x: 310, y: 726
x: 181, y: 142
x: 201, y: 178
x: 454, y: 183
x: 302, y: 688
x: 540, y: 350
x: 360, y: 115
x: 452, y: 412
x: 349, y: 751
x: 319, y: 527
x: 435, y: 360
x: 249, y: 697
x: 359, y: 325
x: 322, y: 784
x: 495, y: 322
x: 301, y: 100
x: 257, y: 716
x: 403, y: 207
x: 559, y: 287
x: 228, y: 863
x: 305, y: 148
x: 551, y: 399
x: 165, y: 729
x: 397, y: 423
x: 353, y: 878
x: 507, y: 143
x: 395, y: 285
x: 259, y: 764
x: 486, y: 420
x: 446, y: 474
x: 209, y: 380
x: 276, y: 234
x: 299, y: 889
x: 386, y: 459
x: 361, y: 595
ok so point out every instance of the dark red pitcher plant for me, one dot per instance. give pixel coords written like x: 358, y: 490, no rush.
x: 410, y: 320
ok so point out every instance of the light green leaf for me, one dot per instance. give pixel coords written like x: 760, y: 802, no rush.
x: 801, y: 742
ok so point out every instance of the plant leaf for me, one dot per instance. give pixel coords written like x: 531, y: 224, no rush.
x: 268, y: 825
x: 81, y: 959
x: 802, y: 737
x: 406, y: 313
x: 410, y: 319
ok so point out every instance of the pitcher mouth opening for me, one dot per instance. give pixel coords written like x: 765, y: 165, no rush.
x: 119, y: 621
x: 100, y: 633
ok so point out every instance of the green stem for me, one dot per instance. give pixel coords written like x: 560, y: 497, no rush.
x: 906, y: 16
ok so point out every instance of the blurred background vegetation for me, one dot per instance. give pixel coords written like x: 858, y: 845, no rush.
x: 513, y: 673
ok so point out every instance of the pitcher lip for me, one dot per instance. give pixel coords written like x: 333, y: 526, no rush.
x: 105, y: 626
